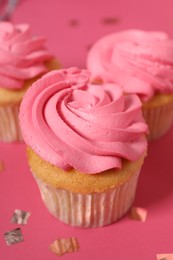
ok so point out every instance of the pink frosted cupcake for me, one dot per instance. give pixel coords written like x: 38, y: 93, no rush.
x: 23, y: 59
x: 142, y: 63
x: 86, y: 145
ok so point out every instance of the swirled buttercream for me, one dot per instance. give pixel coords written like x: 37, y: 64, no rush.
x: 22, y: 55
x: 72, y: 123
x: 139, y: 61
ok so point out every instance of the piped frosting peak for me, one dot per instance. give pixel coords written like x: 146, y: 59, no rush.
x: 22, y: 55
x: 73, y: 123
x: 140, y: 62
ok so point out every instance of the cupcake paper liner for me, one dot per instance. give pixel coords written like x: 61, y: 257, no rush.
x: 159, y: 120
x: 89, y: 210
x: 9, y: 124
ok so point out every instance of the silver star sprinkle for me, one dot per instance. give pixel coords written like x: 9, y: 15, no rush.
x: 13, y: 237
x: 20, y: 217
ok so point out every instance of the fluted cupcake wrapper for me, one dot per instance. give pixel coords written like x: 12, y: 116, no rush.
x: 89, y: 210
x: 9, y: 124
x: 159, y: 120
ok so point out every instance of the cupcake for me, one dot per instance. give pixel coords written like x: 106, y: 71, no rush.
x: 85, y: 146
x: 24, y: 59
x: 142, y: 63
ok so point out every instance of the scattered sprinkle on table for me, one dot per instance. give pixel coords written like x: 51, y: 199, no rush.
x: 64, y: 245
x: 164, y: 256
x: 2, y: 167
x: 138, y: 213
x: 74, y: 23
x: 112, y: 20
x: 13, y: 237
x: 20, y: 217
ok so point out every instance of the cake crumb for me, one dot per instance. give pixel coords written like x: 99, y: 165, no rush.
x: 138, y: 213
x: 64, y: 245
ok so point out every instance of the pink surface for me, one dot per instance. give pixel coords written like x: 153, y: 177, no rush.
x: 127, y: 239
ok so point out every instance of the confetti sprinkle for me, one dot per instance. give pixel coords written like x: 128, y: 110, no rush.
x: 74, y: 23
x: 138, y: 213
x: 110, y: 20
x: 164, y: 256
x: 62, y: 246
x: 20, y: 217
x: 1, y: 166
x: 88, y: 47
x: 13, y: 237
x: 7, y: 8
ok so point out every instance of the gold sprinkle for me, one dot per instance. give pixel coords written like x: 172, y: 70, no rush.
x: 164, y: 256
x: 64, y: 245
x: 2, y: 167
x: 88, y: 47
x: 110, y: 20
x: 138, y: 213
x: 74, y: 23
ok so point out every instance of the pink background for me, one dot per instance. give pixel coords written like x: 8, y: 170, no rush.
x: 126, y: 239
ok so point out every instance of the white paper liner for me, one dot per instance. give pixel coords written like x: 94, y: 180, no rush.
x: 9, y: 124
x: 89, y: 210
x: 159, y: 120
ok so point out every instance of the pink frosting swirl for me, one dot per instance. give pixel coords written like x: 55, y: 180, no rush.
x: 22, y: 55
x: 72, y: 123
x: 141, y: 62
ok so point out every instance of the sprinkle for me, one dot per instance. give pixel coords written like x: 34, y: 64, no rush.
x: 20, y: 217
x: 110, y: 20
x: 13, y: 237
x: 62, y: 246
x: 8, y: 9
x: 1, y: 166
x: 138, y: 213
x: 164, y: 256
x: 88, y: 47
x: 74, y: 23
